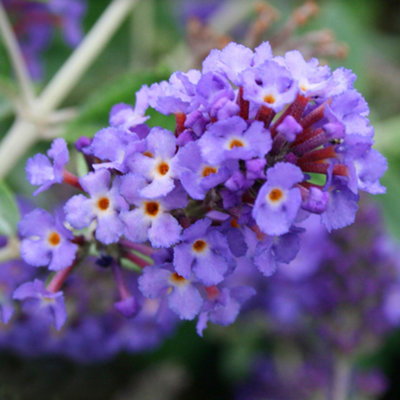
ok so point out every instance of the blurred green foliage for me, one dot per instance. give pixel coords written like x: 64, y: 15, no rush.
x: 9, y: 214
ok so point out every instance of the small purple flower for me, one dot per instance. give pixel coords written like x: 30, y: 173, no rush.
x: 126, y: 118
x: 351, y: 109
x: 370, y: 167
x: 342, y: 79
x: 205, y: 252
x: 341, y: 208
x: 41, y: 171
x: 230, y: 61
x: 223, y: 307
x: 270, y: 85
x: 312, y: 78
x: 234, y: 139
x: 156, y: 163
x: 273, y: 251
x: 175, y: 96
x: 183, y: 297
x: 316, y: 201
x: 216, y: 96
x: 115, y: 146
x: 278, y: 202
x: 197, y: 176
x: 289, y: 128
x: 12, y: 274
x: 103, y: 205
x: 127, y: 307
x: 151, y: 219
x: 49, y: 302
x: 46, y: 241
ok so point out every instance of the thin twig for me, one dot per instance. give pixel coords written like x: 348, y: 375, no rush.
x: 17, y: 60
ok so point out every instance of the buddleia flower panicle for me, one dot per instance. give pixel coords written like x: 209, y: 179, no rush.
x: 261, y: 143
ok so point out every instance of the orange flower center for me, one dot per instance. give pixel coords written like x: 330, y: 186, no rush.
x: 199, y: 245
x: 103, y: 203
x: 54, y: 239
x: 269, y: 98
x: 177, y: 279
x: 235, y: 143
x: 163, y: 168
x: 208, y: 171
x: 303, y: 88
x: 234, y: 223
x: 275, y: 195
x: 152, y: 208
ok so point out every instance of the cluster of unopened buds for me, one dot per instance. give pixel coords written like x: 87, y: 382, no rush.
x: 260, y: 143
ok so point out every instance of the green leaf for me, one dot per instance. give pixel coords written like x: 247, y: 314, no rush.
x: 94, y: 112
x: 387, y: 136
x: 9, y: 214
x: 6, y: 108
x: 389, y: 200
x: 8, y: 87
x: 317, y: 179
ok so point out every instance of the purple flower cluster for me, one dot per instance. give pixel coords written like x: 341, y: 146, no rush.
x: 260, y: 144
x: 349, y: 285
x: 34, y: 22
x: 94, y: 331
x: 334, y: 303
